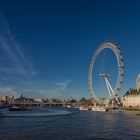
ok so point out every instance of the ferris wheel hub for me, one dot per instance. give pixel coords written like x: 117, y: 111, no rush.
x: 104, y: 75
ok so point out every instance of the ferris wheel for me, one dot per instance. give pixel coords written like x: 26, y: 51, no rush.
x: 113, y: 91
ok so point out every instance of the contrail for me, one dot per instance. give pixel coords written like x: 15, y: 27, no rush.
x: 19, y: 64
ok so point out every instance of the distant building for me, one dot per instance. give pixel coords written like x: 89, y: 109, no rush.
x: 24, y: 99
x: 38, y: 100
x: 138, y: 82
x: 132, y: 96
x: 7, y: 98
x: 2, y: 98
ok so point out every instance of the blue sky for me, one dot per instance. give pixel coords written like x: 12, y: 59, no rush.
x: 46, y: 46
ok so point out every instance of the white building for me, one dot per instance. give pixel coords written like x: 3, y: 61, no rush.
x: 132, y: 96
x: 38, y: 100
x: 7, y: 98
x: 2, y: 98
x: 138, y: 82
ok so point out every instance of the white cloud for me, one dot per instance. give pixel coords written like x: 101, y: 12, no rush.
x: 57, y: 89
x: 7, y: 91
x: 16, y: 61
x: 63, y: 85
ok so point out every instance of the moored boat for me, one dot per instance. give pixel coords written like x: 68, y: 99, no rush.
x: 17, y: 108
x: 68, y: 106
x: 83, y: 108
x: 99, y: 109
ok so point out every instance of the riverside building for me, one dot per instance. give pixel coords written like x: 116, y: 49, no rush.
x: 132, y: 96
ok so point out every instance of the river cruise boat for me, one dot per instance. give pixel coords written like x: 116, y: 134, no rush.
x: 83, y: 108
x: 99, y: 109
x: 18, y: 108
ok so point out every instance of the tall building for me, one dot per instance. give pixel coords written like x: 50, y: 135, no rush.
x: 138, y: 82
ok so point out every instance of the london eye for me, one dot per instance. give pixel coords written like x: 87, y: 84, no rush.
x: 112, y: 91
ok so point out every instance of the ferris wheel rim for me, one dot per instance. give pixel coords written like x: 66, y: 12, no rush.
x: 120, y: 65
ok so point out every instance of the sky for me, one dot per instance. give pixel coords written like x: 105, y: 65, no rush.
x: 46, y: 46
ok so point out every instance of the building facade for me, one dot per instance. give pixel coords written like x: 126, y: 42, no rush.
x: 7, y: 100
x: 132, y: 96
x: 138, y: 82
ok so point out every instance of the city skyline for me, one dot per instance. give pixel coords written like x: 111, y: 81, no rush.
x: 46, y: 47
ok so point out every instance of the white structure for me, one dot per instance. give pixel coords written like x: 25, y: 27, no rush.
x: 132, y: 96
x: 2, y: 98
x: 138, y: 82
x: 113, y: 91
x: 7, y: 99
x: 109, y: 87
x: 38, y: 100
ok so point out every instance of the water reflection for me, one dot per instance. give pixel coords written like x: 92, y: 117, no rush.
x: 80, y: 125
x: 36, y: 111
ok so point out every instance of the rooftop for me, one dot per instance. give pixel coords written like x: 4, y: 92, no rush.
x: 132, y: 92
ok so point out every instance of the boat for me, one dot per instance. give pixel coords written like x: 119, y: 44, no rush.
x: 76, y: 107
x: 18, y: 108
x: 99, y: 109
x: 83, y: 108
x: 68, y: 106
x: 90, y: 107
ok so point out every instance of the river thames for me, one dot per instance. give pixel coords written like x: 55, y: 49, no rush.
x: 69, y: 124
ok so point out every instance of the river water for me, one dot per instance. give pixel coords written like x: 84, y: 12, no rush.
x: 69, y: 124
